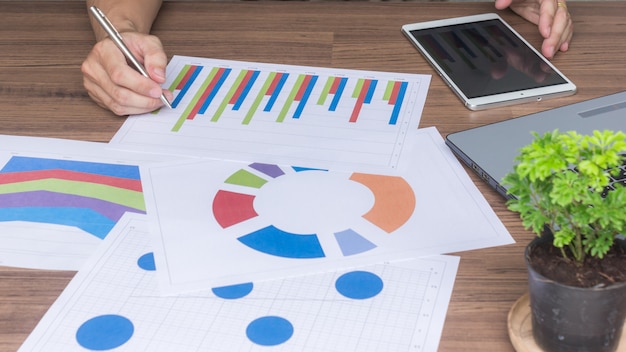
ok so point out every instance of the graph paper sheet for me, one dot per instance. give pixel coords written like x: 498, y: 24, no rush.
x: 59, y: 198
x: 113, y: 304
x: 218, y: 222
x: 318, y: 117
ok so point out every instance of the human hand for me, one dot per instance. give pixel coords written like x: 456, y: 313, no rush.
x: 552, y: 18
x: 115, y: 85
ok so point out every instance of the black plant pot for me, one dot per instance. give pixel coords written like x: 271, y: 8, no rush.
x: 567, y: 318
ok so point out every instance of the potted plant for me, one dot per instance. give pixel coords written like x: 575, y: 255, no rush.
x: 564, y: 188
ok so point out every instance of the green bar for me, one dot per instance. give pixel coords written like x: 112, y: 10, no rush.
x: 324, y: 95
x: 180, y: 77
x: 233, y: 89
x: 292, y: 95
x: 174, y: 84
x: 259, y: 97
x: 132, y: 199
x: 357, y: 89
x: 388, y: 90
x: 194, y: 101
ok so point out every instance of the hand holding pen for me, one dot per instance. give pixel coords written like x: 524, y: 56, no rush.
x: 115, y: 85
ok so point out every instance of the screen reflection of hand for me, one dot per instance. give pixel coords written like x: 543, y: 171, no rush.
x: 523, y: 61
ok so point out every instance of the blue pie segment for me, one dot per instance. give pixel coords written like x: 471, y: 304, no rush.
x: 274, y: 241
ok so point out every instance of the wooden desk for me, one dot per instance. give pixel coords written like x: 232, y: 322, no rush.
x: 41, y: 94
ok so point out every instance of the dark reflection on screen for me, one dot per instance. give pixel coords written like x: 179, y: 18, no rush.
x: 484, y: 58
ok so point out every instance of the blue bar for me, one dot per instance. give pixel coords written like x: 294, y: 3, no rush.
x: 370, y: 92
x: 305, y: 98
x: 218, y: 85
x: 246, y: 90
x: 399, y: 99
x: 190, y: 81
x: 337, y: 97
x: 21, y: 163
x: 279, y: 87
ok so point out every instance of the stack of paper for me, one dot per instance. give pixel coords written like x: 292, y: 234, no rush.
x: 274, y: 207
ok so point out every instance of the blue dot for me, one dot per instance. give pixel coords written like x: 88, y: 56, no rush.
x: 233, y: 291
x: 146, y: 262
x: 269, y: 331
x: 104, y: 332
x: 359, y: 285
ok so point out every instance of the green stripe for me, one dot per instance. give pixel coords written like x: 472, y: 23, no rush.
x: 259, y: 98
x: 132, y: 199
x: 231, y: 92
x: 324, y: 95
x: 292, y: 95
x: 388, y: 90
x: 194, y: 101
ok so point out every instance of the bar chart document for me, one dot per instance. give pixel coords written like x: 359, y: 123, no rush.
x: 319, y: 117
x: 113, y: 304
x: 218, y: 222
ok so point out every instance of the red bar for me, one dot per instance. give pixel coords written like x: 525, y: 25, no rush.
x: 272, y: 87
x: 360, y: 100
x: 185, y: 79
x: 303, y: 87
x: 242, y: 85
x: 39, y: 175
x: 206, y: 93
x: 333, y: 88
x: 394, y: 93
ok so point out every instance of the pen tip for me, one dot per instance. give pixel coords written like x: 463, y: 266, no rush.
x: 166, y: 102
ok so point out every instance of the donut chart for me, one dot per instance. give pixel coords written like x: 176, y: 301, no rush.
x: 393, y: 205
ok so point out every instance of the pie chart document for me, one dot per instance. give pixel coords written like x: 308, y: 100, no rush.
x: 221, y: 223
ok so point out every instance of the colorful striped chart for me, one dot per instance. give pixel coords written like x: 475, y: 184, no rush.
x: 87, y: 195
x: 296, y: 115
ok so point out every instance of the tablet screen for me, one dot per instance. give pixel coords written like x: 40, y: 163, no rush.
x: 485, y: 58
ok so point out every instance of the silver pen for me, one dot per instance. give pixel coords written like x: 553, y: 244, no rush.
x: 117, y: 39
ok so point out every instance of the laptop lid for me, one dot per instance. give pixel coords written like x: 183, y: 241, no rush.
x: 490, y: 150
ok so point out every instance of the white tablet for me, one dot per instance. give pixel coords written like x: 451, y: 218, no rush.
x: 486, y: 63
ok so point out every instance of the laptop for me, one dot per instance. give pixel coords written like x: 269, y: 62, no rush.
x: 490, y: 150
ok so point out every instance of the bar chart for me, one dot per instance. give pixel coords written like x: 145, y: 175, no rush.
x: 249, y: 111
x: 271, y: 88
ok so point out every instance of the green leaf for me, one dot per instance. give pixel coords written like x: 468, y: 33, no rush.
x: 570, y: 203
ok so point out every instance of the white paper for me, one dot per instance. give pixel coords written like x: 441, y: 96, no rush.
x: 218, y: 223
x: 113, y: 304
x: 359, y: 125
x: 59, y: 198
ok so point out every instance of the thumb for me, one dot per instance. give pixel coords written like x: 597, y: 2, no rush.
x: 155, y: 59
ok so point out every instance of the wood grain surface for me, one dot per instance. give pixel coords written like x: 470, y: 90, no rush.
x: 42, y: 45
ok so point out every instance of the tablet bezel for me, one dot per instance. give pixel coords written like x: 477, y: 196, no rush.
x: 494, y: 100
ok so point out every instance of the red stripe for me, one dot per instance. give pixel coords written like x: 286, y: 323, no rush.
x: 190, y: 71
x: 333, y: 88
x: 360, y: 100
x: 272, y: 87
x: 24, y: 176
x: 206, y: 93
x: 394, y: 93
x: 303, y: 87
x: 242, y: 85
